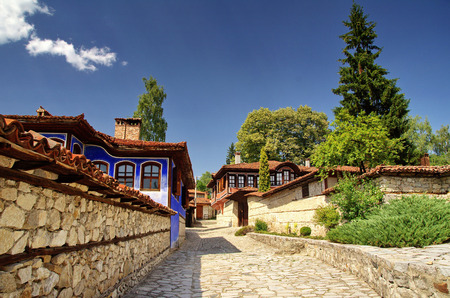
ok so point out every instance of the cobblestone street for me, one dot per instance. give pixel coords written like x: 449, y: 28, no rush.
x: 215, y: 263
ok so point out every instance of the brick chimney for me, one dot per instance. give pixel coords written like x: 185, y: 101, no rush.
x: 127, y: 128
x: 42, y: 112
x: 307, y: 163
x: 425, y: 160
x: 237, y: 157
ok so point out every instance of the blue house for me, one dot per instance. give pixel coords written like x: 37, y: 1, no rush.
x: 161, y: 170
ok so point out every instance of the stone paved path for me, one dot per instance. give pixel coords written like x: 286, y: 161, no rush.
x: 215, y: 263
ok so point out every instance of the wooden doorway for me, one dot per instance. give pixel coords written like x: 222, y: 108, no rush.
x: 243, y: 213
x: 199, y: 212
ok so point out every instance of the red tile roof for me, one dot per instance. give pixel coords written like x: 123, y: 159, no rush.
x: 30, y: 147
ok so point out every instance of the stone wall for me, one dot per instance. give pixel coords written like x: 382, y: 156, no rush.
x: 63, y: 245
x: 287, y: 211
x: 229, y: 216
x: 391, y: 272
x: 396, y: 186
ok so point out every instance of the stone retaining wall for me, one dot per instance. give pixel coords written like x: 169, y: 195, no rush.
x: 391, y: 272
x: 396, y: 186
x: 58, y: 245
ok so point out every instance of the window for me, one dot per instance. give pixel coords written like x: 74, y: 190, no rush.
x: 76, y: 149
x: 150, y: 176
x: 251, y: 181
x: 272, y: 180
x: 257, y: 181
x: 176, y: 182
x: 279, y: 178
x: 102, y: 166
x: 241, y: 181
x: 125, y: 173
x: 286, y: 175
x: 292, y: 176
x: 305, y: 191
x: 232, y: 181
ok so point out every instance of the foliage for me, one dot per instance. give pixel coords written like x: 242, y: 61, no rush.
x: 305, y: 231
x: 230, y: 154
x: 150, y: 110
x: 363, y: 83
x: 244, y: 230
x: 356, y: 198
x: 327, y: 216
x: 203, y: 181
x: 410, y: 221
x: 261, y: 226
x: 356, y: 141
x: 264, y: 173
x: 441, y: 147
x: 287, y: 134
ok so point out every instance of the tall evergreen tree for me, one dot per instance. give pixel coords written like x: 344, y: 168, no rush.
x: 230, y: 154
x: 264, y: 173
x: 150, y: 110
x: 363, y: 83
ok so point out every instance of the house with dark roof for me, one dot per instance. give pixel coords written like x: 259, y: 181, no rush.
x: 161, y: 170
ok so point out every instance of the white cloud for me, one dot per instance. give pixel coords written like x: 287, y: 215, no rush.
x: 124, y: 63
x: 82, y: 59
x: 13, y: 26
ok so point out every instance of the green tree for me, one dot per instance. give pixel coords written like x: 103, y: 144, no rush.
x: 363, y: 83
x: 356, y: 141
x: 150, y: 110
x: 264, y: 173
x: 203, y: 182
x: 286, y: 134
x: 420, y: 134
x: 441, y: 147
x: 230, y: 154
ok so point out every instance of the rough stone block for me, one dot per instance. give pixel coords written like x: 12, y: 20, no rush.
x: 7, y: 283
x: 26, y: 200
x: 7, y: 240
x: 12, y: 217
x: 9, y: 194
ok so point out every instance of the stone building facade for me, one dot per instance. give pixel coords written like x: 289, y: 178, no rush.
x: 67, y: 229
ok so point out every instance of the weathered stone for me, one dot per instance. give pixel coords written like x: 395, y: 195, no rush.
x: 89, y: 293
x: 12, y: 217
x: 90, y: 206
x: 50, y: 283
x: 81, y: 235
x: 73, y: 237
x: 26, y: 293
x: 24, y: 274
x: 127, y: 268
x: 46, y: 258
x: 41, y: 239
x: 58, y: 239
x: 79, y: 288
x: 53, y: 220
x: 76, y: 278
x: 7, y: 162
x: 441, y: 287
x: 7, y: 240
x: 67, y: 221
x: 95, y: 234
x: 26, y: 200
x: 36, y: 219
x: 54, y: 268
x: 40, y: 203
x: 65, y: 278
x: 2, y: 206
x: 24, y: 187
x: 7, y: 283
x: 37, y: 263
x: 60, y: 204
x: 20, y: 244
x: 45, y: 174
x: 42, y: 273
x: 66, y: 293
x: 37, y: 289
x: 9, y: 194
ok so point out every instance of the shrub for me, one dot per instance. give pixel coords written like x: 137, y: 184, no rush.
x: 356, y: 200
x: 327, y: 216
x: 261, y: 226
x: 244, y: 230
x: 305, y: 231
x: 411, y: 221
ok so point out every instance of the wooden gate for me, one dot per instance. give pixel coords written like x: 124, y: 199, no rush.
x: 243, y: 213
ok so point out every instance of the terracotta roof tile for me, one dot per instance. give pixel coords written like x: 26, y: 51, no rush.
x: 60, y: 157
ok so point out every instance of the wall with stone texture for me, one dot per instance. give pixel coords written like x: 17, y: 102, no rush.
x: 391, y: 272
x: 229, y: 216
x: 396, y: 186
x: 287, y: 211
x: 81, y: 247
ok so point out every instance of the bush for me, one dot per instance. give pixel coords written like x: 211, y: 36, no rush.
x: 305, y: 231
x: 356, y: 200
x: 244, y: 230
x: 411, y: 221
x: 261, y: 226
x: 327, y: 216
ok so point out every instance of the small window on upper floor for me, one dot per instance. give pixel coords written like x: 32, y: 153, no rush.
x: 286, y: 176
x: 251, y: 181
x: 102, y: 166
x: 305, y: 191
x: 272, y: 180
x: 76, y: 149
x: 232, y: 181
x: 125, y: 173
x: 241, y: 181
x: 279, y: 178
x: 150, y: 176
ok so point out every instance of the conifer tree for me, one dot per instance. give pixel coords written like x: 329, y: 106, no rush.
x: 363, y: 83
x: 230, y: 154
x: 264, y: 173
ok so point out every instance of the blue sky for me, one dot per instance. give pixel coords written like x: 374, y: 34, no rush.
x: 217, y: 60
